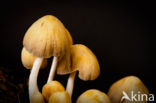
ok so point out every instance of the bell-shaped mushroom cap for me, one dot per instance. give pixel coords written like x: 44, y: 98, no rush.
x: 28, y: 59
x: 127, y: 85
x: 64, y: 64
x: 69, y: 38
x: 37, y: 98
x: 60, y: 97
x: 50, y: 88
x: 84, y: 61
x: 93, y: 96
x: 47, y: 37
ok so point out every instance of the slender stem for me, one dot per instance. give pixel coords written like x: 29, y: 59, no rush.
x: 33, y: 77
x: 70, y: 83
x: 52, y: 70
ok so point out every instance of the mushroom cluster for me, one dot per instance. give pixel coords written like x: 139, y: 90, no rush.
x: 48, y: 37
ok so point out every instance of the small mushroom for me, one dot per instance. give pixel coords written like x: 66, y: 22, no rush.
x: 45, y: 38
x: 28, y: 60
x: 128, y: 85
x: 84, y: 61
x: 93, y: 96
x: 51, y: 88
x: 60, y: 97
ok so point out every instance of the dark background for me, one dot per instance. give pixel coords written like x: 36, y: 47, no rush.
x: 121, y: 34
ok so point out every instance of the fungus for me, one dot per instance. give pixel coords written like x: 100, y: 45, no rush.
x: 45, y: 38
x: 28, y: 61
x: 84, y: 61
x: 54, y: 91
x: 128, y: 85
x: 60, y: 97
x: 93, y: 96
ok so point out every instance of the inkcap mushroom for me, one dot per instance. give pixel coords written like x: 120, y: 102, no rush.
x: 93, y: 96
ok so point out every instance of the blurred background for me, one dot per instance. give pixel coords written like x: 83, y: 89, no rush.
x: 121, y: 34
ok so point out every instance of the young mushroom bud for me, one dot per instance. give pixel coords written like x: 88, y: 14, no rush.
x: 28, y: 60
x: 93, y: 96
x: 60, y: 97
x: 51, y: 88
x: 82, y: 60
x: 124, y: 87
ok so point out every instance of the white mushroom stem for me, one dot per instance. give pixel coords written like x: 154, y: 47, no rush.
x: 33, y: 77
x: 70, y: 83
x: 52, y: 69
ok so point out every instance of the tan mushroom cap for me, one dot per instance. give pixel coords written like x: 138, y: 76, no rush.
x: 84, y: 61
x: 28, y: 59
x: 64, y: 64
x: 60, y: 97
x: 47, y: 37
x: 126, y: 84
x: 93, y: 96
x: 50, y: 88
x: 69, y: 38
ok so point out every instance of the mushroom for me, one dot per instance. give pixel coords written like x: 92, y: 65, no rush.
x: 45, y: 38
x: 64, y: 64
x: 84, y: 61
x: 127, y: 85
x: 60, y: 97
x: 54, y: 91
x: 50, y: 88
x: 27, y: 61
x: 93, y: 96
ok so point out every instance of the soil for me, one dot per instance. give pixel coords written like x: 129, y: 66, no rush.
x: 13, y: 86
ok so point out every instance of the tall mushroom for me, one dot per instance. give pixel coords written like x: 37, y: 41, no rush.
x: 45, y: 38
x: 93, y: 96
x: 27, y: 61
x: 66, y: 63
x: 84, y: 61
x: 127, y: 85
